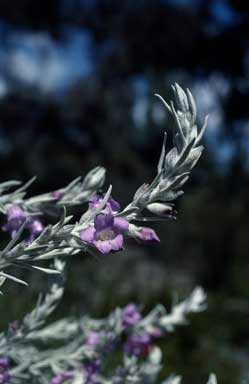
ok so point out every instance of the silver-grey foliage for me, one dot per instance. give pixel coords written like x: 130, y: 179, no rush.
x: 63, y: 238
x: 30, y: 344
x: 39, y: 365
x: 175, y: 165
x: 75, y: 194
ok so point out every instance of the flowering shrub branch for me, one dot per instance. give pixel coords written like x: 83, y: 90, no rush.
x: 75, y: 194
x: 103, y: 226
x: 85, y: 343
x: 27, y: 349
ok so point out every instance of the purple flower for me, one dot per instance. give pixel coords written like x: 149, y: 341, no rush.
x: 143, y: 234
x: 35, y: 227
x: 111, y: 203
x: 139, y: 345
x: 4, y: 377
x: 63, y: 377
x: 93, y: 339
x: 15, y: 218
x: 91, y: 369
x: 130, y: 315
x: 107, y: 232
x: 4, y: 365
x: 148, y: 235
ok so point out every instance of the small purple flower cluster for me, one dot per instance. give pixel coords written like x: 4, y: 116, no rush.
x: 130, y: 315
x: 139, y: 345
x: 4, y: 374
x: 106, y: 234
x: 91, y: 369
x: 16, y: 217
x: 136, y: 344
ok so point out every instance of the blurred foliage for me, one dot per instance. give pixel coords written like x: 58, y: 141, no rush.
x: 138, y: 48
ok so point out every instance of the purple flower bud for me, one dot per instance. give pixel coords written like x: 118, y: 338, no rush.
x: 35, y: 227
x: 15, y: 218
x: 93, y: 339
x: 4, y: 363
x: 143, y: 234
x: 148, y: 235
x: 139, y: 345
x: 130, y: 315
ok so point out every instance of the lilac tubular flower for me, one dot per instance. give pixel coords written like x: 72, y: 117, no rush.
x: 138, y: 345
x: 35, y: 227
x: 130, y: 315
x: 111, y: 203
x: 4, y: 374
x: 107, y: 232
x: 148, y: 235
x: 15, y: 218
x: 93, y: 339
x: 63, y: 377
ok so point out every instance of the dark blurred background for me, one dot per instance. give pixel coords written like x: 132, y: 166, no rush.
x: 77, y: 79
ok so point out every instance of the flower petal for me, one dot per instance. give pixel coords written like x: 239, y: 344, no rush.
x: 117, y: 243
x: 121, y: 224
x: 103, y: 220
x: 103, y: 246
x: 88, y: 234
x: 147, y: 235
x: 115, y: 206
